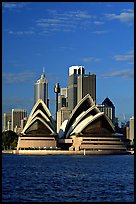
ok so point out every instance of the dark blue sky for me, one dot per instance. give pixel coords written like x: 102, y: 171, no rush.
x: 97, y: 35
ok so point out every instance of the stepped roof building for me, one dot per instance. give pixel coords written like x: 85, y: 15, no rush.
x: 90, y: 129
x: 39, y: 130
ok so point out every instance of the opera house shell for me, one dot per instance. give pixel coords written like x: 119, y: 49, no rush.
x: 90, y: 129
x: 39, y: 131
x: 87, y: 129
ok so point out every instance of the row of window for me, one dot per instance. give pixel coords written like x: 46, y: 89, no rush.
x: 40, y: 148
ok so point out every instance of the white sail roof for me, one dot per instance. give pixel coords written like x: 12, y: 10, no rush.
x: 83, y: 115
x: 62, y: 129
x: 85, y: 122
x: 82, y: 106
x: 40, y: 112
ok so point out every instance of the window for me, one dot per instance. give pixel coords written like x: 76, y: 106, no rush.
x: 75, y: 71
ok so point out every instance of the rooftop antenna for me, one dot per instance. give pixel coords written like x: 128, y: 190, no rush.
x: 43, y: 74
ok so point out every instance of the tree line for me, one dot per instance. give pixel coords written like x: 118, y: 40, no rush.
x: 9, y: 140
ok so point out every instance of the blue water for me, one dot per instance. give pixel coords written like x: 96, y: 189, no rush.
x: 63, y: 178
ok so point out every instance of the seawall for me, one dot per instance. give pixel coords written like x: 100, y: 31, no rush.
x: 63, y: 152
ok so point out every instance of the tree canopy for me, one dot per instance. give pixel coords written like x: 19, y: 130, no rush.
x: 9, y: 139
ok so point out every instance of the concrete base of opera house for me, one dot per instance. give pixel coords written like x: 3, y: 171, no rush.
x: 66, y: 152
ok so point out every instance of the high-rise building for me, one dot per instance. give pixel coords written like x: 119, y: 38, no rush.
x: 86, y: 84
x: 131, y: 130
x: 17, y: 116
x: 64, y: 91
x: 23, y: 122
x: 79, y: 85
x: 77, y: 70
x: 74, y: 72
x: 63, y: 111
x: 108, y: 108
x: 63, y: 98
x: 9, y: 125
x: 62, y: 115
x: 7, y: 118
x: 41, y: 90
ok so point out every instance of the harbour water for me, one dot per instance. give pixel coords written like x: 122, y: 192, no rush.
x: 65, y: 178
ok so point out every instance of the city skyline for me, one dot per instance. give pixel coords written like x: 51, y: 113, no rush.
x: 96, y: 35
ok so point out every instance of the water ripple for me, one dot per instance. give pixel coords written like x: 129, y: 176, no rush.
x: 67, y: 178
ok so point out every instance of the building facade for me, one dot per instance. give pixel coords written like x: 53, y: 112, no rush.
x: 23, y: 122
x: 108, y: 108
x: 7, y: 121
x: 17, y: 116
x: 131, y: 129
x: 41, y: 90
x: 86, y: 84
x: 9, y: 125
x: 63, y: 98
x: 74, y: 72
x: 79, y: 85
x: 62, y: 115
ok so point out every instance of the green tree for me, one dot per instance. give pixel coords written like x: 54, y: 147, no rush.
x: 9, y: 139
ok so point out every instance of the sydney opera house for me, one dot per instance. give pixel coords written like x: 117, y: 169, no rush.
x: 39, y: 130
x: 87, y: 128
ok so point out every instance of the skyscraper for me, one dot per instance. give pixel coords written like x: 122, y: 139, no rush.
x: 108, y: 108
x: 131, y: 131
x: 7, y: 119
x: 74, y: 72
x: 63, y: 111
x: 41, y: 89
x: 17, y: 116
x: 86, y: 84
x: 79, y: 85
x: 62, y: 98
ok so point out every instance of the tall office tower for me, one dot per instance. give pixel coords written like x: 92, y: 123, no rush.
x: 86, y: 84
x: 7, y: 118
x: 41, y: 90
x: 74, y: 72
x: 64, y: 92
x: 17, y: 116
x: 23, y: 123
x: 9, y: 125
x: 63, y: 98
x: 62, y: 114
x: 63, y: 111
x: 131, y: 129
x: 108, y: 108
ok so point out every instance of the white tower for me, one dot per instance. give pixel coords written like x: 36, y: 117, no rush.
x: 41, y: 89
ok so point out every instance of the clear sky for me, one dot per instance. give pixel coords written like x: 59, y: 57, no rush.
x: 96, y: 35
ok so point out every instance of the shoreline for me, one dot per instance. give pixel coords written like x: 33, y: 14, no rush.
x: 65, y: 152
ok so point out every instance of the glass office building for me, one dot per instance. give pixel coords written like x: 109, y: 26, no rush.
x: 74, y: 72
x: 41, y: 89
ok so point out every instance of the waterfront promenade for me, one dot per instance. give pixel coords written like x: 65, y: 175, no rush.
x: 64, y: 152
